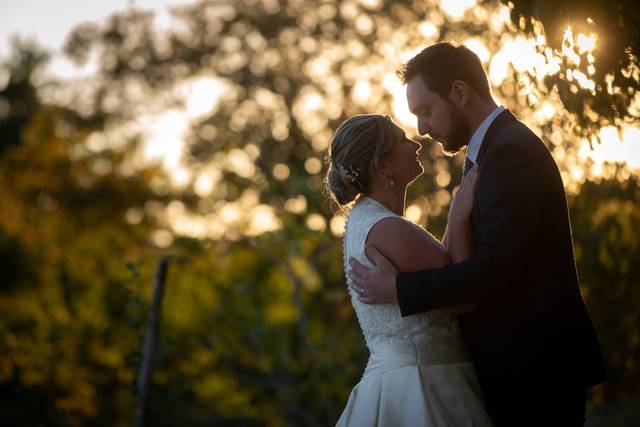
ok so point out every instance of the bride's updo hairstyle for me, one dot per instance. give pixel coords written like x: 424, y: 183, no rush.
x: 356, y: 145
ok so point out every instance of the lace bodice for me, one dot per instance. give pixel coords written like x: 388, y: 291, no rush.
x: 383, y: 323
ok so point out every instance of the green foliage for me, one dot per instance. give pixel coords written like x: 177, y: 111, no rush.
x: 257, y: 328
x: 615, y: 61
x: 606, y: 217
x: 253, y: 338
x: 18, y: 98
x: 65, y: 300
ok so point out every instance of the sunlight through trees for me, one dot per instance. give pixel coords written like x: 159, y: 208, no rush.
x: 203, y: 137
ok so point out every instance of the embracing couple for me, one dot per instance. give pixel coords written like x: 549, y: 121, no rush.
x: 487, y: 327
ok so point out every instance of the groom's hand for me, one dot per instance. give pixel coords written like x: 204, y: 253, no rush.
x: 375, y: 285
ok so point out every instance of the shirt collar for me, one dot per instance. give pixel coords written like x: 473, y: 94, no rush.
x: 476, y: 140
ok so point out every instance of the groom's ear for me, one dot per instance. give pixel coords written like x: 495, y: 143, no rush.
x: 460, y: 93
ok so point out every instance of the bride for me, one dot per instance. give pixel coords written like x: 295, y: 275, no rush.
x: 418, y: 373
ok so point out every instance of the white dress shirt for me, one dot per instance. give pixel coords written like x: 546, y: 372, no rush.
x: 475, y: 142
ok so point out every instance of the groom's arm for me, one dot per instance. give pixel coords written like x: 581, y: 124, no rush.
x: 510, y: 193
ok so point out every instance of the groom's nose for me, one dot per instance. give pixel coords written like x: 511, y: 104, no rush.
x: 423, y: 127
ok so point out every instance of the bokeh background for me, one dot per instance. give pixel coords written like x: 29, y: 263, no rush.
x: 198, y: 130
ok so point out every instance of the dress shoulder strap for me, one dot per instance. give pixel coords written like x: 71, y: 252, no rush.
x: 363, y: 216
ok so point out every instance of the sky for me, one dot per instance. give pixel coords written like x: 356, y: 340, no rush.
x: 50, y: 21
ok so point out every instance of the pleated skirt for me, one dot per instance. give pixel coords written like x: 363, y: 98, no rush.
x: 412, y: 384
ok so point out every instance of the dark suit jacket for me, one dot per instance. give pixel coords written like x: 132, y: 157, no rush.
x: 531, y: 333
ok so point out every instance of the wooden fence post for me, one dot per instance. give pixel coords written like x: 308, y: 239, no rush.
x: 150, y: 341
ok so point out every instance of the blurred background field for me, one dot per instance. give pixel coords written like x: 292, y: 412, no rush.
x: 198, y: 130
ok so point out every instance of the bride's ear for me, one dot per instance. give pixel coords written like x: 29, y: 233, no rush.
x: 380, y: 167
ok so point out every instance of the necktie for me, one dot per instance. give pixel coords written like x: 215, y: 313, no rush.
x: 468, y: 164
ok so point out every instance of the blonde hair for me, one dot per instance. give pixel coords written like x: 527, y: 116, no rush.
x: 356, y: 145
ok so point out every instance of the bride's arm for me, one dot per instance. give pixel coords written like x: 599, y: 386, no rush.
x: 458, y: 236
x: 406, y: 246
x: 409, y: 248
x: 458, y: 240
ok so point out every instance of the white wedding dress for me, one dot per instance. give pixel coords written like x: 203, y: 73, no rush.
x: 418, y: 373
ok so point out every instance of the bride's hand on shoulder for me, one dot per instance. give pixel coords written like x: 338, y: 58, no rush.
x: 462, y: 204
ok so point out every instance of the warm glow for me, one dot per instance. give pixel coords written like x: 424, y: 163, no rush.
x: 583, y: 80
x: 280, y: 171
x: 201, y: 226
x: 164, y: 138
x: 263, y: 219
x: 162, y: 238
x: 544, y: 113
x: 320, y: 141
x: 401, y: 111
x: 428, y: 30
x: 63, y: 68
x: 443, y: 197
x: 206, y: 181
x: 134, y: 215
x: 443, y: 178
x: 337, y: 225
x: 246, y: 214
x: 50, y: 27
x: 296, y: 205
x: 456, y: 9
x: 181, y: 176
x: 201, y: 95
x: 165, y: 126
x: 361, y: 92
x: 479, y: 48
x: 586, y: 43
x: 164, y: 133
x: 240, y: 163
x: 615, y: 147
x: 413, y: 213
x: 230, y: 213
x: 568, y: 47
x: 307, y: 110
x: 371, y: 4
x: 313, y: 165
x: 520, y: 53
x: 316, y: 222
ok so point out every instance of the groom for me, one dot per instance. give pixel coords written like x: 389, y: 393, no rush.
x: 530, y: 338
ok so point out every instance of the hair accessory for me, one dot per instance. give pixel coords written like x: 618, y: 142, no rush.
x: 350, y: 173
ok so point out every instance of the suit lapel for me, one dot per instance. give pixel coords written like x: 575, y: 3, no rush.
x: 501, y: 121
x: 503, y: 118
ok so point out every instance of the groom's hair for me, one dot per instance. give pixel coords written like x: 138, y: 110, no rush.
x: 443, y: 63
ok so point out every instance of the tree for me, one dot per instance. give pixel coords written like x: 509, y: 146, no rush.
x: 614, y: 66
x: 18, y: 97
x: 257, y: 325
x: 603, y: 216
x: 69, y: 222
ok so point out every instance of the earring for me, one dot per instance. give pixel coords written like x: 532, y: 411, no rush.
x: 388, y: 181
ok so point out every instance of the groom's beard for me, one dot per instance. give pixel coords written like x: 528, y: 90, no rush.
x: 459, y: 131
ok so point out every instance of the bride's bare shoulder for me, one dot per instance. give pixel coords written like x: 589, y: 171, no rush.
x: 406, y: 245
